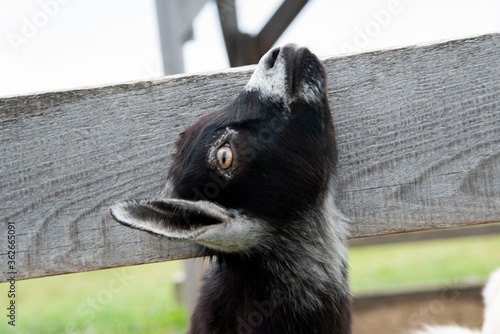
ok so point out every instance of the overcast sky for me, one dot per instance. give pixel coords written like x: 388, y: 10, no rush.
x: 60, y: 44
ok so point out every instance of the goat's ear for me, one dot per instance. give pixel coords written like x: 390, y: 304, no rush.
x: 203, y: 222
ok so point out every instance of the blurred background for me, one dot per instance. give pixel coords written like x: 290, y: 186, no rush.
x: 397, y: 282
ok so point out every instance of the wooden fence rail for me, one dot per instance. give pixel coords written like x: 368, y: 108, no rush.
x: 418, y: 131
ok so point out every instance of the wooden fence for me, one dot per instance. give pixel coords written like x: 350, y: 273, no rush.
x: 418, y: 131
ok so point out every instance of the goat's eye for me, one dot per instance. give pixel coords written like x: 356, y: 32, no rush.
x: 224, y: 157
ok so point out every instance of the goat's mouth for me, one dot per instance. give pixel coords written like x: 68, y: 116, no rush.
x: 294, y: 60
x: 306, y: 75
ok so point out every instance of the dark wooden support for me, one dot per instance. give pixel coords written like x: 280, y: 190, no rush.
x: 243, y: 49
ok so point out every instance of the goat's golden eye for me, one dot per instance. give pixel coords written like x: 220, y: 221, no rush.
x: 224, y: 157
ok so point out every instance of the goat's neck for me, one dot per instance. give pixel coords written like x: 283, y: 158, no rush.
x: 298, y: 284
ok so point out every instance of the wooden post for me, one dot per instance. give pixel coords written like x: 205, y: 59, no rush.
x: 175, y: 19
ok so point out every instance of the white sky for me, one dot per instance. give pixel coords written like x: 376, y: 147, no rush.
x: 60, y: 44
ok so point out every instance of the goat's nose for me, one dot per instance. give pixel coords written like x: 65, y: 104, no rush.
x: 272, y: 56
x: 271, y: 77
x: 287, y: 52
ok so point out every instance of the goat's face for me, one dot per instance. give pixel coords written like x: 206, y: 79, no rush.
x: 242, y: 173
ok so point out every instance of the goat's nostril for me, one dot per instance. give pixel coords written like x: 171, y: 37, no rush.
x: 272, y: 59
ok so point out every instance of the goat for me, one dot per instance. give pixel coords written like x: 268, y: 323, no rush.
x: 271, y: 225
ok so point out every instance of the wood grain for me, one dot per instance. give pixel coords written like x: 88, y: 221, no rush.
x: 418, y: 131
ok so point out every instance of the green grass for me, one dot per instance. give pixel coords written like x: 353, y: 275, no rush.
x: 140, y: 299
x: 136, y: 299
x: 433, y: 263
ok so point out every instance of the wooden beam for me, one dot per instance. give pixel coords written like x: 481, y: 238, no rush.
x: 243, y: 49
x: 418, y: 130
x: 233, y: 38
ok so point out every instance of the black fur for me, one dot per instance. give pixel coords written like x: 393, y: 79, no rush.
x: 286, y: 158
x: 294, y: 280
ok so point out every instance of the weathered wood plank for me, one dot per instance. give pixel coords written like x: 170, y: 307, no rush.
x: 418, y: 130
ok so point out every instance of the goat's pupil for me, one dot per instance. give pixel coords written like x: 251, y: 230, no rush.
x: 225, y: 157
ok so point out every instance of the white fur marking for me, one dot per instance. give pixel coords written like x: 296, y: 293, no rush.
x: 239, y: 234
x: 336, y: 236
x: 310, y: 93
x: 270, y: 82
x: 313, y: 265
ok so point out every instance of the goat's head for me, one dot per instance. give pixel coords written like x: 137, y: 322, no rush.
x: 240, y: 175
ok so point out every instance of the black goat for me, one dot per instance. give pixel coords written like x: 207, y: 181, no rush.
x: 253, y: 184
